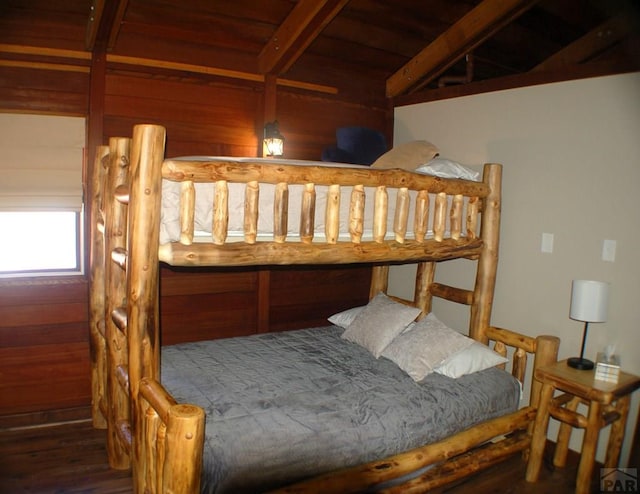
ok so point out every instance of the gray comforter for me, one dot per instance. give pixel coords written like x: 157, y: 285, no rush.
x: 284, y: 406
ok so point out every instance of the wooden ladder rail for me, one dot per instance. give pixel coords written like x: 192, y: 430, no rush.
x: 480, y: 299
x: 117, y: 383
x: 97, y: 343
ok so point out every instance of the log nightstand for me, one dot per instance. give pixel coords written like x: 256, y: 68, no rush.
x: 608, y: 403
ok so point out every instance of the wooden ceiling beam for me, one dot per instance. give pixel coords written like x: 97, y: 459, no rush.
x: 471, y: 30
x: 594, y: 42
x: 104, y: 23
x: 307, y: 19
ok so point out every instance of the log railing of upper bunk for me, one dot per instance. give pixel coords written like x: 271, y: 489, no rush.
x: 118, y: 386
x: 450, y: 198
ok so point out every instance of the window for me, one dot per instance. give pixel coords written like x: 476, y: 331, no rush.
x: 40, y: 243
x: 41, y: 195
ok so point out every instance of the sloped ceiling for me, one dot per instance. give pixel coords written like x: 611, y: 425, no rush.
x: 399, y: 49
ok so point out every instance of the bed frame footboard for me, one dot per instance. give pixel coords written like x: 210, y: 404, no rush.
x: 169, y: 448
x: 459, y: 455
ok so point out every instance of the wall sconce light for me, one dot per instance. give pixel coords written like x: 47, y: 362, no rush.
x: 589, y: 301
x: 273, y: 144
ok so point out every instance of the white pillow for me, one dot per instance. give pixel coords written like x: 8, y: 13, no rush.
x: 419, y: 351
x: 474, y: 358
x: 442, y: 167
x: 346, y: 317
x: 381, y: 320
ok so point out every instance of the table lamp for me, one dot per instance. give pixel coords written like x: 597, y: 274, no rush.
x: 589, y: 302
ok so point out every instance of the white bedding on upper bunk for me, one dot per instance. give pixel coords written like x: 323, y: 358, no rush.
x: 170, y: 215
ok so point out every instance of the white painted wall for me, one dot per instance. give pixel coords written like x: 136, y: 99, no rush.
x: 571, y: 156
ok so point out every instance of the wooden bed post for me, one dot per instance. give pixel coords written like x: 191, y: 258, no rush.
x: 546, y: 354
x: 147, y: 155
x: 97, y: 343
x: 185, y: 438
x: 488, y: 260
x: 379, y: 280
x: 424, y: 278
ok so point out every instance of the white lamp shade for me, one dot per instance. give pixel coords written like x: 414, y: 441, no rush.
x: 589, y: 300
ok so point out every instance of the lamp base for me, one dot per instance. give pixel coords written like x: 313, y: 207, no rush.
x: 580, y: 363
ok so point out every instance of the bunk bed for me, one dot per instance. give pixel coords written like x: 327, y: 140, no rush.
x: 408, y: 218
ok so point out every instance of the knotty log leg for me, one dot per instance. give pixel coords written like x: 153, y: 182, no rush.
x: 546, y: 354
x: 379, y: 280
x: 589, y: 445
x: 562, y: 446
x: 539, y: 433
x: 616, y: 434
x: 185, y: 438
x: 424, y: 278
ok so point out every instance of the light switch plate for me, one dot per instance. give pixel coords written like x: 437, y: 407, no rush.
x: 609, y: 250
x: 547, y: 243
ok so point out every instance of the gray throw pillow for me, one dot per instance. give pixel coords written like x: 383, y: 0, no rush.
x: 381, y: 320
x: 419, y: 351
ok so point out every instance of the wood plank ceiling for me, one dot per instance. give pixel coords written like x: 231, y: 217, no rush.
x: 393, y: 49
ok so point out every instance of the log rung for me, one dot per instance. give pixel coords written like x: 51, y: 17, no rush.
x: 562, y: 399
x: 609, y: 417
x: 568, y: 417
x: 512, y: 339
x: 122, y: 194
x: 100, y: 326
x: 119, y: 317
x: 157, y: 397
x: 102, y: 406
x: 123, y: 431
x: 451, y: 293
x: 122, y: 374
x: 119, y: 256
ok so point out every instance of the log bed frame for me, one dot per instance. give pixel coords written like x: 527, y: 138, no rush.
x: 161, y: 440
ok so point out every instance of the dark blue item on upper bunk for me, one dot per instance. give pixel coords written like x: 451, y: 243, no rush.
x: 356, y: 145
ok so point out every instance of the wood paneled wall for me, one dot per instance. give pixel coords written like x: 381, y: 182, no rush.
x: 34, y: 90
x: 198, y: 304
x: 44, y: 352
x: 201, y: 118
x: 208, y: 116
x: 205, y: 304
x: 306, y: 296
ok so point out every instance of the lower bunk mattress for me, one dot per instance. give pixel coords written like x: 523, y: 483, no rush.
x: 281, y: 407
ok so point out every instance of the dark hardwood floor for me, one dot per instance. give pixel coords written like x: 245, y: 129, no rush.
x: 68, y: 458
x: 71, y: 458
